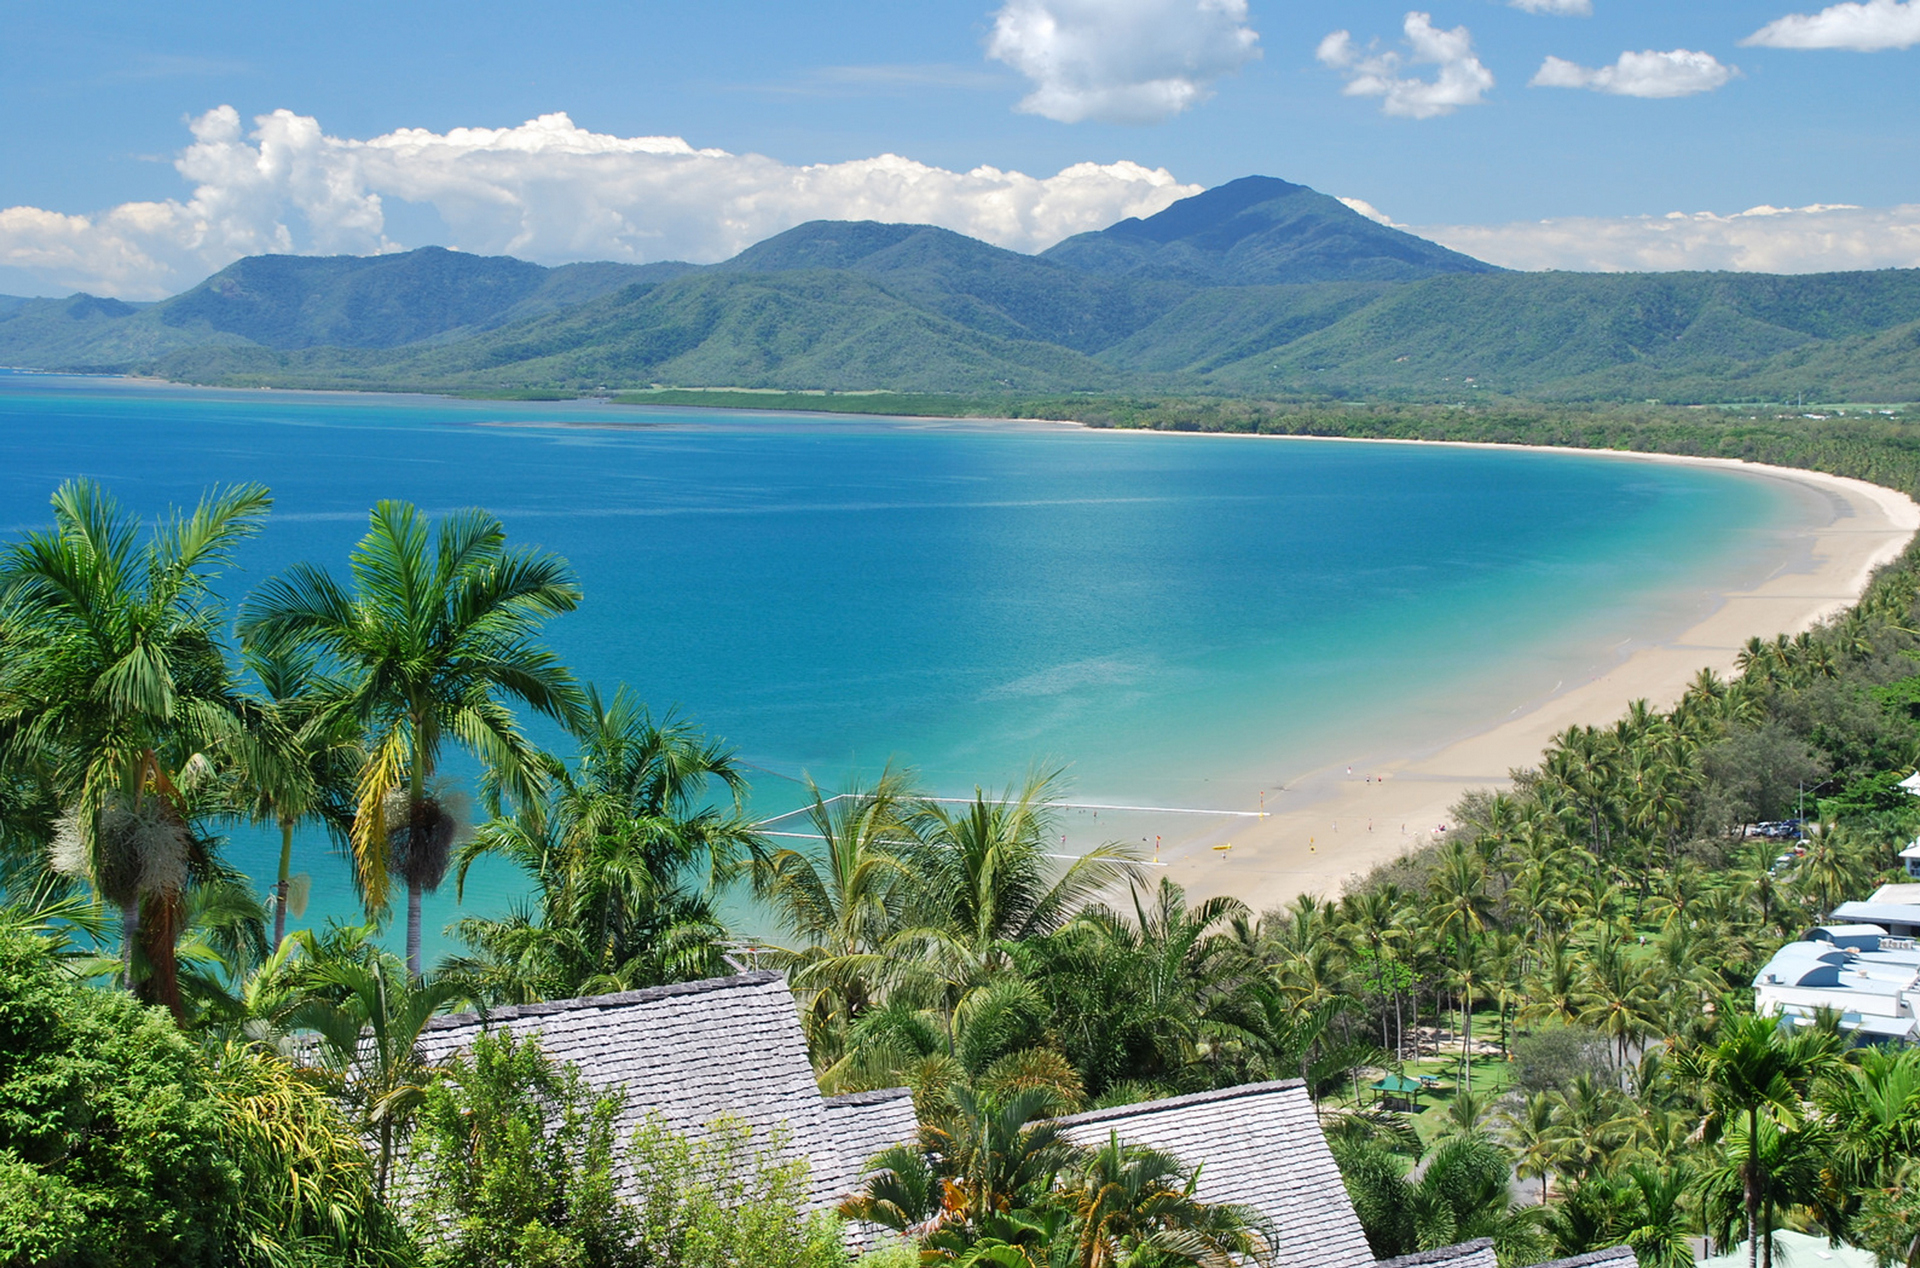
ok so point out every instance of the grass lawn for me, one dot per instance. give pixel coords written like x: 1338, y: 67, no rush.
x: 1491, y: 1076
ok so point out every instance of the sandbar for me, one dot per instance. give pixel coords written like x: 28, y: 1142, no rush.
x: 1333, y: 825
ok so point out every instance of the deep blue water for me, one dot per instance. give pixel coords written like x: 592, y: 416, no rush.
x: 1185, y: 620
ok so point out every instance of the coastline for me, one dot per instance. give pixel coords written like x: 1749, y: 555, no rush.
x: 1400, y: 799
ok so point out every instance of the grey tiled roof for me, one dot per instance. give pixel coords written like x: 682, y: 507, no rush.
x: 1476, y: 1254
x: 1612, y: 1257
x: 1259, y: 1146
x: 692, y: 1053
x: 864, y: 1123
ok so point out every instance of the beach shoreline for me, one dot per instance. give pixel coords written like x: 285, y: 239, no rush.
x: 1395, y: 804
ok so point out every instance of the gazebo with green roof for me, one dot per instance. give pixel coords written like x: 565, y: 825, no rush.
x: 1399, y: 1092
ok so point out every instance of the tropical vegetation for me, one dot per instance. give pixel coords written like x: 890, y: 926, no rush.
x: 190, y: 1075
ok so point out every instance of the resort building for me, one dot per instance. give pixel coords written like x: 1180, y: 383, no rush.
x: 1860, y: 972
x: 1895, y: 908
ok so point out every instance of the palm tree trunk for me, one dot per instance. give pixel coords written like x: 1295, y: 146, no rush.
x: 129, y: 931
x: 1466, y: 1044
x: 1753, y: 1187
x: 416, y: 793
x: 413, y: 929
x: 280, y: 890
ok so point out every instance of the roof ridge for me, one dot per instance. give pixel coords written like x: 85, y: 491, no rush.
x: 617, y: 999
x: 877, y: 1096
x: 1440, y: 1255
x: 1622, y: 1254
x: 1177, y: 1102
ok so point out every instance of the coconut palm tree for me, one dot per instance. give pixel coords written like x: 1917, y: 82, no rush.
x: 625, y: 853
x: 1133, y: 1204
x: 438, y: 629
x: 1532, y: 1126
x: 298, y: 761
x: 983, y: 879
x: 112, y: 683
x: 841, y: 900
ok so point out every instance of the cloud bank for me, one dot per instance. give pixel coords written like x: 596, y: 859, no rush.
x: 1121, y: 61
x: 1680, y: 73
x: 1566, y: 8
x: 1817, y: 239
x: 1460, y: 81
x: 1862, y: 27
x: 546, y: 190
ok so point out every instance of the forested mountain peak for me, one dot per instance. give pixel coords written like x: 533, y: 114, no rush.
x: 1260, y: 231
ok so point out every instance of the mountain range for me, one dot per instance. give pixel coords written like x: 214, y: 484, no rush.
x: 1256, y: 287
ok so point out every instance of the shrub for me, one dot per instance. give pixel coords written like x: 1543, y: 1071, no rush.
x: 511, y: 1165
x: 722, y: 1202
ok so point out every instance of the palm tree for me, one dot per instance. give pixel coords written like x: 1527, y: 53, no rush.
x: 1130, y: 1205
x: 842, y: 901
x: 369, y: 1014
x: 1532, y: 1125
x: 982, y: 879
x: 438, y: 628
x: 1616, y: 996
x: 298, y: 761
x: 1754, y: 1068
x: 625, y: 852
x: 1873, y: 1104
x: 999, y: 1153
x: 113, y: 680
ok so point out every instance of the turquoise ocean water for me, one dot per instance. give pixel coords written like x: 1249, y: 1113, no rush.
x: 1187, y: 621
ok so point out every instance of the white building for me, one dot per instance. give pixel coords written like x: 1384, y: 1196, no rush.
x: 1896, y: 908
x: 1868, y: 977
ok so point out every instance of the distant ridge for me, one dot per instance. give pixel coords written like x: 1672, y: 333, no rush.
x: 1257, y: 288
x: 1259, y: 231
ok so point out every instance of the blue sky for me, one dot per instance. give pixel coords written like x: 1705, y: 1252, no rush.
x: 99, y: 98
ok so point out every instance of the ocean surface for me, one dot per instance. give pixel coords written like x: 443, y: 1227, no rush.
x: 1186, y: 622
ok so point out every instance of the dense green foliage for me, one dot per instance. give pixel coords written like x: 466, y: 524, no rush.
x: 122, y: 1142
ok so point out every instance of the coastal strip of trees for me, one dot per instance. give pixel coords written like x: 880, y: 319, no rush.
x: 188, y: 1076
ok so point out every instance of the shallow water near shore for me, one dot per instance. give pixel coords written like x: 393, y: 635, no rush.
x: 1186, y: 622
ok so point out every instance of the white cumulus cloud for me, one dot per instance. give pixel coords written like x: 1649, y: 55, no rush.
x: 1863, y: 27
x: 1461, y: 79
x: 547, y: 190
x: 1568, y: 8
x: 1679, y: 73
x: 1121, y: 61
x: 1816, y: 239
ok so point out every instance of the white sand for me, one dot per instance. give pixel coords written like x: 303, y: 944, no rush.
x: 1332, y: 825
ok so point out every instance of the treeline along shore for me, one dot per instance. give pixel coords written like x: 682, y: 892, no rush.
x: 187, y: 1076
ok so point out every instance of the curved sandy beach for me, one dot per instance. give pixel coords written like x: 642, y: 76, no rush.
x: 1330, y: 825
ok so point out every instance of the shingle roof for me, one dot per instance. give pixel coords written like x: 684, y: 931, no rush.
x: 1612, y: 1257
x: 1259, y: 1145
x: 864, y: 1123
x: 692, y: 1053
x: 1476, y: 1254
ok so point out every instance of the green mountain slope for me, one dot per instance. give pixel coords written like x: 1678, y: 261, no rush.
x: 290, y: 302
x: 1258, y: 231
x: 995, y: 291
x: 802, y: 330
x: 1584, y: 335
